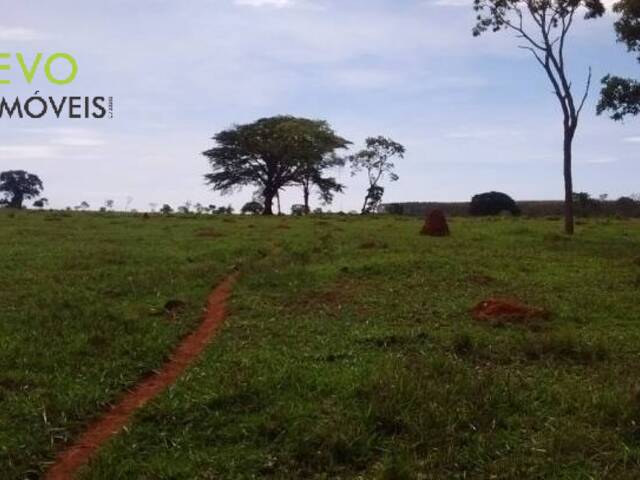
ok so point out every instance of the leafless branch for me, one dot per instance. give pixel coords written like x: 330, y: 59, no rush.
x: 586, y: 93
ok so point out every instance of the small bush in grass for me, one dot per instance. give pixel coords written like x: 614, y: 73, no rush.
x: 493, y: 203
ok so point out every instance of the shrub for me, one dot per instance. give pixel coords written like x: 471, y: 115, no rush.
x: 298, y: 210
x: 493, y: 203
x: 254, y: 208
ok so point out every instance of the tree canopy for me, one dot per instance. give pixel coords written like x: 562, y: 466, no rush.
x: 620, y: 97
x: 271, y: 153
x: 377, y: 161
x: 18, y: 186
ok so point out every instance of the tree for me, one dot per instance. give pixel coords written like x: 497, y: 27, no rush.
x: 544, y: 33
x: 376, y: 160
x: 108, y: 204
x: 41, y: 203
x: 270, y: 153
x: 19, y: 186
x: 621, y: 96
x: 492, y: 203
x: 166, y: 209
x: 253, y: 207
x: 312, y: 175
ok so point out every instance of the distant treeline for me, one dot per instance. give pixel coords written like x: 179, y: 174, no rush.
x: 532, y: 208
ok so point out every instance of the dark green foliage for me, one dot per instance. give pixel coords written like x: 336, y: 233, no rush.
x: 253, y: 208
x: 394, y: 209
x: 492, y: 203
x: 377, y: 161
x: 271, y: 154
x: 18, y: 186
x: 620, y: 97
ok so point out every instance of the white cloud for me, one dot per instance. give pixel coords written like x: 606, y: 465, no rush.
x: 449, y: 3
x: 18, y: 34
x: 76, y: 137
x: 266, y: 3
x: 365, y: 78
x: 601, y: 160
x: 484, y: 134
x: 27, y: 152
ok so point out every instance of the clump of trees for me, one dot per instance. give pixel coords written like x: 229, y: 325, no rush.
x: 273, y: 153
x: 18, y: 186
x: 493, y: 203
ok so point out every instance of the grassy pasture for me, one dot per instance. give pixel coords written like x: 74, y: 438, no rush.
x: 349, y: 351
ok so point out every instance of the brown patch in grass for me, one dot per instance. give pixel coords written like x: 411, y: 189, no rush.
x: 501, y: 311
x: 373, y: 244
x: 209, y: 233
x: 283, y: 226
x: 481, y: 279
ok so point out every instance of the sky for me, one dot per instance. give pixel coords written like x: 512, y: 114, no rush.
x: 475, y: 114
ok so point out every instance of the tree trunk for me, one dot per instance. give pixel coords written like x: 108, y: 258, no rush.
x: 16, y: 201
x: 305, y: 189
x: 364, y: 205
x: 568, y: 181
x: 278, y: 202
x: 268, y: 203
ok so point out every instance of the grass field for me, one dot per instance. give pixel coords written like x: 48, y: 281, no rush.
x: 349, y: 351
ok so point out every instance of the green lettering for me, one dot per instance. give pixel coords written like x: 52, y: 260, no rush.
x: 68, y: 58
x: 4, y: 66
x: 29, y: 73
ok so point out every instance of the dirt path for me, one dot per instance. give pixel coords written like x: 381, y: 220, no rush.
x: 79, y: 454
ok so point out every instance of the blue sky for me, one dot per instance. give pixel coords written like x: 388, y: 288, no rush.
x: 475, y: 114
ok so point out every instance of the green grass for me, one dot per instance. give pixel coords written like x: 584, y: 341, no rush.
x: 349, y: 352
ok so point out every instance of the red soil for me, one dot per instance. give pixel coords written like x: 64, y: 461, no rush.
x: 79, y: 454
x: 436, y: 225
x: 495, y: 310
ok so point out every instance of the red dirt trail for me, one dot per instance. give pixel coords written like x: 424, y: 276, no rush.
x: 79, y: 454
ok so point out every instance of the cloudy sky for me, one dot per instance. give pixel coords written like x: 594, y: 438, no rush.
x: 475, y: 114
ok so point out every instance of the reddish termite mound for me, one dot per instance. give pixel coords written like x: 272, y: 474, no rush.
x: 503, y: 310
x: 79, y: 454
x: 436, y: 225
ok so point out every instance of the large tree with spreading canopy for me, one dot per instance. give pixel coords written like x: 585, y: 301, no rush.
x: 271, y: 154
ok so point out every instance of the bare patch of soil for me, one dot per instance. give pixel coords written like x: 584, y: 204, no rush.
x: 500, y: 311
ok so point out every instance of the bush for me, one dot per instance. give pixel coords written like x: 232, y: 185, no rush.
x: 298, y: 210
x: 254, y: 208
x: 493, y: 203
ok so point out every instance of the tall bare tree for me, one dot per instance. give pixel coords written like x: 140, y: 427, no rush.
x: 543, y: 26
